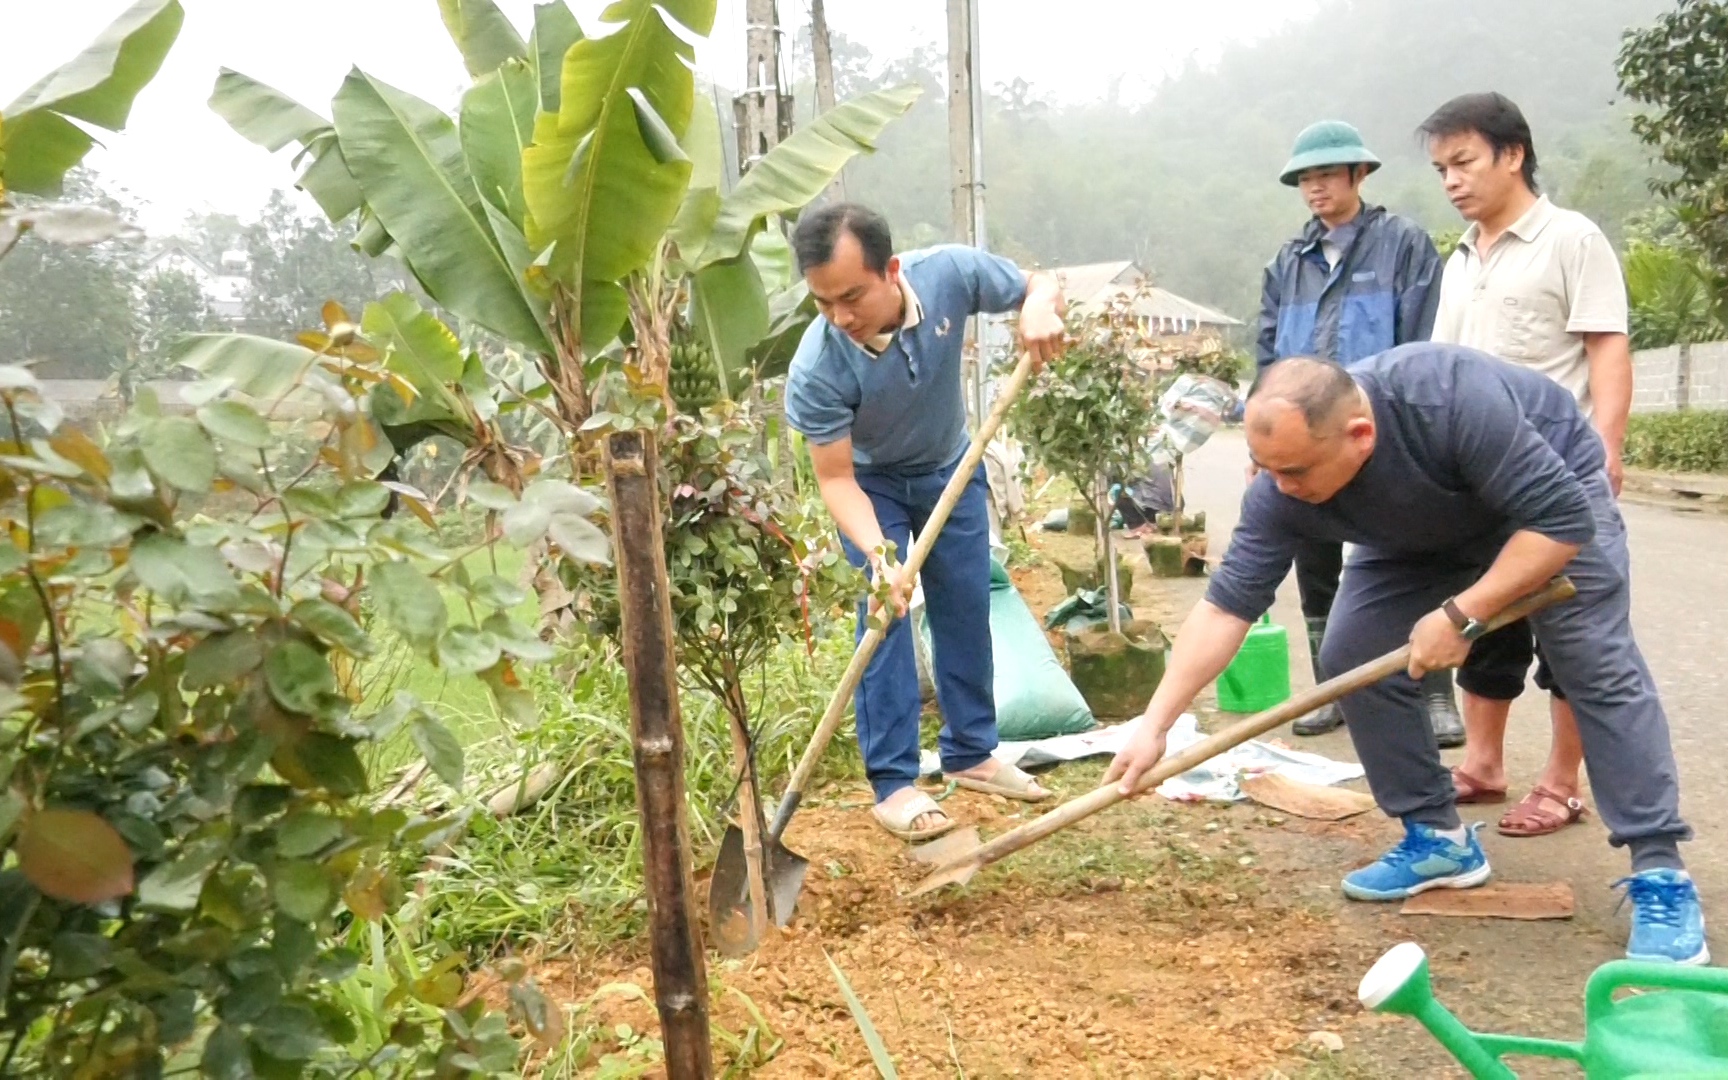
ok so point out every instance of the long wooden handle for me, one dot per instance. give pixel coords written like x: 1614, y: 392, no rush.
x: 951, y: 494
x: 1300, y: 705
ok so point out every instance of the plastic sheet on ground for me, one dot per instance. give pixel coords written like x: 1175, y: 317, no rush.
x: 1215, y: 781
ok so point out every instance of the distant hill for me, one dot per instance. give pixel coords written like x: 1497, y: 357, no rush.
x: 1187, y: 185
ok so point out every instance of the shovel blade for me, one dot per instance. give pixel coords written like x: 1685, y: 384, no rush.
x: 729, y: 891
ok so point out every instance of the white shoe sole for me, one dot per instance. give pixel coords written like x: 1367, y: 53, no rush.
x: 1478, y: 876
x: 1700, y: 959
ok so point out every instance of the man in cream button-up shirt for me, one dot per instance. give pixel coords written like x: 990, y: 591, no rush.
x: 1545, y: 287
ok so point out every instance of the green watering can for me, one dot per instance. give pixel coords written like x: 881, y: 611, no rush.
x: 1679, y: 1033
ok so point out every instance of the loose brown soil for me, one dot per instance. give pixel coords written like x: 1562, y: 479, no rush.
x: 1146, y: 942
x: 1166, y: 957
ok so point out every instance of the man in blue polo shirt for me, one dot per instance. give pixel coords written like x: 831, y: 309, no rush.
x: 875, y: 389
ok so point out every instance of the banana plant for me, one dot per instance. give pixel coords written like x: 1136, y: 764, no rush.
x: 576, y: 170
x: 43, y: 134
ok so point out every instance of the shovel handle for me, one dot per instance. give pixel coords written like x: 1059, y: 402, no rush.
x: 1560, y: 588
x: 951, y: 494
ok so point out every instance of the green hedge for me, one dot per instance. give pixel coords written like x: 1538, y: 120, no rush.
x: 1692, y: 441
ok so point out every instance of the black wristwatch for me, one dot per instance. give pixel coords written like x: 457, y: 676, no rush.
x: 1469, y: 629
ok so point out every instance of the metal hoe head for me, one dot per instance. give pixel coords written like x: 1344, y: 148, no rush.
x: 949, y: 847
x: 951, y: 855
x: 729, y: 891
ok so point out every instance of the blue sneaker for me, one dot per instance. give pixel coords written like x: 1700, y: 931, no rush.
x: 1425, y: 860
x: 1667, y: 921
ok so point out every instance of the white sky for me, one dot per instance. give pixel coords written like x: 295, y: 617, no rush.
x: 177, y: 156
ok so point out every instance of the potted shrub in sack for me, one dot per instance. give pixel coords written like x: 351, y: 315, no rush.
x: 1090, y: 418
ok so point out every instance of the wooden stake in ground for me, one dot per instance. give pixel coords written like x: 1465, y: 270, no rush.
x: 1105, y: 510
x: 657, y: 742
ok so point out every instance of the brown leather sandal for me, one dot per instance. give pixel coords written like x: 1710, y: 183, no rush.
x: 1469, y: 790
x: 1531, y: 818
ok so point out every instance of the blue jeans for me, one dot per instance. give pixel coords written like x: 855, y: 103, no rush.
x: 956, y: 580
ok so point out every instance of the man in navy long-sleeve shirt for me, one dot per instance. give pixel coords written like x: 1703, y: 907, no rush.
x: 1355, y: 282
x: 1465, y: 483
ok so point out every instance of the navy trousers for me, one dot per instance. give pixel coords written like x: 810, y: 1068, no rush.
x: 1588, y: 645
x: 956, y: 580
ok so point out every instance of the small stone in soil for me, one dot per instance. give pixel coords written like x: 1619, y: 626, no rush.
x: 1327, y: 1041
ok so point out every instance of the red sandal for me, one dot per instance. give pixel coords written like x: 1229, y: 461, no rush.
x: 1469, y: 790
x: 1531, y: 818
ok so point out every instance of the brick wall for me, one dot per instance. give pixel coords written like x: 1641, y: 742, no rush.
x: 1658, y: 385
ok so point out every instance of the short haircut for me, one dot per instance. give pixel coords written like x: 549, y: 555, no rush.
x: 819, y: 231
x: 1492, y: 116
x: 1318, y: 389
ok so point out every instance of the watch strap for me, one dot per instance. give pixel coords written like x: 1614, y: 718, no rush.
x: 1459, y: 619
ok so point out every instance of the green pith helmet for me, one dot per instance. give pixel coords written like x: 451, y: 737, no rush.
x: 1330, y: 142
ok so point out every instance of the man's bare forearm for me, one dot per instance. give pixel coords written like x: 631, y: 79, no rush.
x: 1610, y: 358
x: 1044, y: 293
x: 1204, y: 648
x: 852, y: 511
x: 1525, y: 564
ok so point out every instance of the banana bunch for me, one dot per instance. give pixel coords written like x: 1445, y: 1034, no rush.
x: 694, y: 377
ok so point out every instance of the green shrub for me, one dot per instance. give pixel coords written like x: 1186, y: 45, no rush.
x: 187, y: 834
x: 1692, y: 441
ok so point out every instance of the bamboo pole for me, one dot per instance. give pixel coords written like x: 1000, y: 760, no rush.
x: 657, y: 743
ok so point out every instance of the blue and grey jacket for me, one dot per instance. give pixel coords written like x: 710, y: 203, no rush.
x: 1382, y: 293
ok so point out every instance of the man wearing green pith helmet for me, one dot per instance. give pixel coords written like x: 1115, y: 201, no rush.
x: 1355, y: 282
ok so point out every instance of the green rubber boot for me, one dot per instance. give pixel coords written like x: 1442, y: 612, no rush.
x: 1326, y: 717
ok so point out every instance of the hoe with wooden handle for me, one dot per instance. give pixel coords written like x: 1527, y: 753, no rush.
x: 957, y: 862
x: 782, y: 872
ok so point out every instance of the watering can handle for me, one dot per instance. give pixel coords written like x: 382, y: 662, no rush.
x: 1618, y: 975
x: 951, y: 494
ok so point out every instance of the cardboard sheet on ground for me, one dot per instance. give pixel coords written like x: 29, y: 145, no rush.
x: 1216, y: 781
x: 1496, y: 900
x: 1305, y: 800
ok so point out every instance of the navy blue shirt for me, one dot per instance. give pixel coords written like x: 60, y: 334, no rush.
x: 1469, y: 450
x: 903, y: 409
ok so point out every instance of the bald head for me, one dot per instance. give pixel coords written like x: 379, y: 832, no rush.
x: 1322, y: 392
x: 1310, y: 426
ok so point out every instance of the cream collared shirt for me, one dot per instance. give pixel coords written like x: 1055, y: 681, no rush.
x: 1551, y: 279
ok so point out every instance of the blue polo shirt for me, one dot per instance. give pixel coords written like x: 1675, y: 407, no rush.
x: 904, y: 409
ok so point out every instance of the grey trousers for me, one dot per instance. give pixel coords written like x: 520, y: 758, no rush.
x: 1590, y: 649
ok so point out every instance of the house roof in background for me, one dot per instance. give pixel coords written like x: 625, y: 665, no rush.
x: 1098, y: 283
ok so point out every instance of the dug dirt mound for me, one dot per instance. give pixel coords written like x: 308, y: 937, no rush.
x: 1132, y: 950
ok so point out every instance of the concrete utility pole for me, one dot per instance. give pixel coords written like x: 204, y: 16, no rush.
x: 763, y: 112
x: 962, y: 154
x: 966, y: 168
x: 824, y: 57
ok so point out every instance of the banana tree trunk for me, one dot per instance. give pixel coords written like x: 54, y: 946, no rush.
x: 657, y: 743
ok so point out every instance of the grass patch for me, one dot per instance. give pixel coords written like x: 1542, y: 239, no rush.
x: 1169, y: 850
x: 568, y: 870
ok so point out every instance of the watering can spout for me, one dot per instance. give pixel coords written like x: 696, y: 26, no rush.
x: 1398, y: 983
